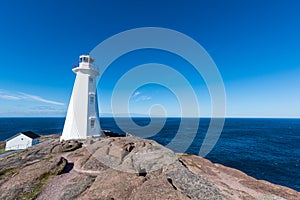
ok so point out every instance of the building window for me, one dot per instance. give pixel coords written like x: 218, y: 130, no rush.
x: 92, y: 99
x: 85, y: 59
x: 91, y: 80
x: 92, y: 123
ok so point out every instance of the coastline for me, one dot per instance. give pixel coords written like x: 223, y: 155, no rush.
x: 228, y: 182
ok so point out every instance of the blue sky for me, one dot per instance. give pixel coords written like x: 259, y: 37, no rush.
x: 255, y: 44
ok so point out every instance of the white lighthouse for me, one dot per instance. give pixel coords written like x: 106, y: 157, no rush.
x: 82, y: 118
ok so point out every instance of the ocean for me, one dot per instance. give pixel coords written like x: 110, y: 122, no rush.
x: 267, y: 149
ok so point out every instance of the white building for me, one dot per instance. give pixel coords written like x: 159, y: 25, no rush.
x: 22, y: 140
x: 83, y: 116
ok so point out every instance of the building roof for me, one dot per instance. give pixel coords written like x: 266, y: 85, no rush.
x: 29, y: 134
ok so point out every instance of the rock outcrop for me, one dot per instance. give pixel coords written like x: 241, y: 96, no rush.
x: 124, y: 168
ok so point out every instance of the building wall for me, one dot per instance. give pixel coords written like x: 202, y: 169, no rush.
x: 19, y: 142
x: 76, y: 121
x: 82, y: 120
x: 35, y: 141
x: 93, y: 113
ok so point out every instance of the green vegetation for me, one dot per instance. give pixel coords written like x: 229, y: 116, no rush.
x: 61, y: 166
x: 187, y: 154
x: 195, y: 165
x: 72, y: 147
x: 37, y: 189
x: 7, y: 172
x: 2, y: 151
x: 42, y: 181
x: 4, y: 172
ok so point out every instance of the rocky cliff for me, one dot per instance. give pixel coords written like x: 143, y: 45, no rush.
x: 124, y: 168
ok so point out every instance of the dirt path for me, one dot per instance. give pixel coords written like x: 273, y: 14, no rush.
x: 56, y: 186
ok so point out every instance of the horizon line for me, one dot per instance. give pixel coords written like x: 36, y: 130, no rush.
x: 145, y: 116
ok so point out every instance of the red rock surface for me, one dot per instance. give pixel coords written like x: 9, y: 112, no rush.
x: 236, y: 184
x: 124, y: 168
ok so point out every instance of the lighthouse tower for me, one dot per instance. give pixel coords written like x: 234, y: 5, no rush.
x: 82, y: 118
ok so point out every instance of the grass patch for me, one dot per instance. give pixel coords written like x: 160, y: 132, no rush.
x: 42, y: 182
x: 61, y: 166
x: 72, y: 147
x: 195, y: 165
x: 185, y: 155
x: 2, y: 151
x: 37, y: 189
x: 4, y: 172
x: 7, y: 172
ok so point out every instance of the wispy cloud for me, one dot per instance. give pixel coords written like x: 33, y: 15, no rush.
x: 137, y: 96
x: 143, y: 98
x: 7, y: 95
x: 37, y: 98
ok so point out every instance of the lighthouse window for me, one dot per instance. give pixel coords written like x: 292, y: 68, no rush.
x: 91, y: 79
x: 92, y: 123
x: 85, y: 59
x: 92, y: 99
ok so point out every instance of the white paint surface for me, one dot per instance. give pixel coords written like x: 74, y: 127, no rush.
x: 81, y: 109
x: 20, y: 141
